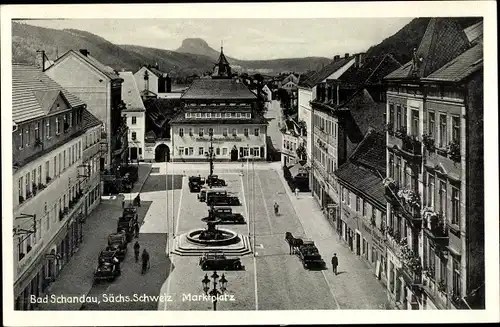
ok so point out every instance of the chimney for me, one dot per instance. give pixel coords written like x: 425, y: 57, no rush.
x: 359, y: 59
x: 337, y: 57
x: 40, y: 60
x: 84, y: 52
x: 346, y: 55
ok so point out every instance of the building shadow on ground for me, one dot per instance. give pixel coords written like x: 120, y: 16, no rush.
x: 273, y: 154
x: 157, y: 183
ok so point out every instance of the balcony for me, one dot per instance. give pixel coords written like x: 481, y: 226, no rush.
x: 435, y: 227
x: 411, y: 146
x: 436, y: 291
x: 412, y: 277
x: 323, y: 135
x: 393, y: 240
x: 405, y: 202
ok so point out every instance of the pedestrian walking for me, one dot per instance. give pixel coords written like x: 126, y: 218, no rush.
x: 136, y: 229
x: 335, y: 263
x: 296, y: 192
x: 137, y: 248
x: 145, y: 261
x: 276, y: 208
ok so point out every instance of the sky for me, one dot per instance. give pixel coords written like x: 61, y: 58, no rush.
x: 246, y: 39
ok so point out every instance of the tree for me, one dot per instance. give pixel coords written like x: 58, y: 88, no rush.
x: 301, y: 152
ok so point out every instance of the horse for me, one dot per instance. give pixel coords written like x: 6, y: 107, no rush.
x: 293, y: 242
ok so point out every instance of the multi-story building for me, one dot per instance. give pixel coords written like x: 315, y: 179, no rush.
x: 291, y: 141
x: 363, y: 205
x: 435, y: 170
x: 344, y: 108
x: 53, y: 191
x: 135, y: 115
x: 219, y: 111
x: 151, y: 80
x: 100, y: 87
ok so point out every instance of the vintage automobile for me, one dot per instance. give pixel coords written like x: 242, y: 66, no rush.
x: 207, y: 193
x: 108, y: 266
x: 214, y: 180
x: 194, y: 187
x: 197, y: 179
x: 118, y: 242
x: 130, y: 212
x: 217, y: 260
x: 309, y: 255
x: 225, y: 214
x: 126, y: 225
x: 222, y: 200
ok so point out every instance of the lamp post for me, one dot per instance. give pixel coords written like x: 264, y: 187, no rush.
x: 210, y: 155
x: 214, y: 292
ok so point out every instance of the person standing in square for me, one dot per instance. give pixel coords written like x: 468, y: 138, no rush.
x: 335, y: 263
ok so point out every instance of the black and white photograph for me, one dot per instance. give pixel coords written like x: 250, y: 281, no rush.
x: 250, y: 163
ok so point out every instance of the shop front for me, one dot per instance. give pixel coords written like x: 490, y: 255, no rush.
x: 349, y: 233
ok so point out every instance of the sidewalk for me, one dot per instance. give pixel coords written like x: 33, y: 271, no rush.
x: 355, y: 287
x: 76, y: 277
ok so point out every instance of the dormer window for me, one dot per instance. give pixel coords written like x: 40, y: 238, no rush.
x: 47, y: 129
x: 218, y: 115
x: 58, y: 127
x: 232, y: 104
x: 209, y: 115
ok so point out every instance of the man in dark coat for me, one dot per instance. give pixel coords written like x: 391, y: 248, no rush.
x: 335, y: 263
x: 136, y: 229
x: 145, y: 261
x: 137, y: 247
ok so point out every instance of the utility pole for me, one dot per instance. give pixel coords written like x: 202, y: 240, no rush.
x: 253, y: 204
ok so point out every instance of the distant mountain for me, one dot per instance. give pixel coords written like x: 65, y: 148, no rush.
x: 198, y: 46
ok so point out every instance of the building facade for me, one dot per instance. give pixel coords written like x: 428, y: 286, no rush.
x: 135, y: 115
x: 435, y: 173
x: 151, y: 79
x: 52, y: 190
x: 293, y: 148
x: 100, y: 87
x: 221, y: 113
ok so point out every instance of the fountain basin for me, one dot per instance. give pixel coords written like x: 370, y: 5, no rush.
x: 228, y: 237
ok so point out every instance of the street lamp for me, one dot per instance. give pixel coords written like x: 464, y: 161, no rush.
x: 210, y: 154
x: 214, y: 292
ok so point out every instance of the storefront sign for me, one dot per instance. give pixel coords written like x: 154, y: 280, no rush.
x: 219, y: 140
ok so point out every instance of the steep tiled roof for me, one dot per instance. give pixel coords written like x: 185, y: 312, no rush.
x: 460, y: 67
x: 31, y: 92
x: 218, y: 89
x: 304, y: 77
x: 474, y: 32
x: 372, y: 70
x: 156, y: 71
x: 327, y: 71
x: 161, y: 110
x: 363, y: 180
x: 366, y: 167
x: 443, y: 41
x: 130, y: 93
x: 106, y: 70
x: 371, y: 151
x: 89, y: 120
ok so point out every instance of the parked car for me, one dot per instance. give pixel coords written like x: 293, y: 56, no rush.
x: 197, y: 179
x: 223, y: 200
x: 207, y: 193
x: 218, y: 260
x: 118, y: 242
x: 108, y: 266
x: 214, y: 180
x: 225, y: 214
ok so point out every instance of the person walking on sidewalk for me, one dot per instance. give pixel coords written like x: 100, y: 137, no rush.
x: 145, y: 261
x: 276, y: 208
x: 335, y: 263
x: 136, y: 229
x: 137, y: 248
x: 123, y: 204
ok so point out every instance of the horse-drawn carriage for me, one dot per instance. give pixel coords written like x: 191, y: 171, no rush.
x: 306, y: 250
x: 118, y: 242
x: 108, y: 266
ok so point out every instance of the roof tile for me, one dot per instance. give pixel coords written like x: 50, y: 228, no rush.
x: 217, y: 89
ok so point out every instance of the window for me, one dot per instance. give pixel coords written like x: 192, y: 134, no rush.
x: 430, y: 190
x: 256, y: 151
x: 442, y: 197
x: 391, y: 115
x: 224, y: 131
x: 224, y: 151
x: 200, y: 132
x: 190, y: 131
x: 398, y: 172
x: 28, y: 136
x: 398, y: 117
x: 39, y: 176
x: 186, y: 151
x: 443, y: 271
x: 218, y: 115
x: 211, y: 131
x: 228, y: 115
x: 343, y: 195
x: 414, y: 123
x: 181, y: 132
x: 198, y: 115
x: 208, y: 115
x: 27, y: 182
x: 140, y: 151
x: 21, y: 138
x: 391, y: 165
x: 37, y: 131
x: 188, y: 115
x: 21, y: 186
x: 217, y: 151
x: 442, y: 131
x: 58, y: 127
x: 55, y: 166
x: 456, y: 277
x: 245, y: 131
x: 256, y: 131
x: 64, y: 160
x: 181, y: 150
x: 134, y: 135
x: 234, y: 132
x: 348, y: 198
x: 134, y: 120
x: 47, y: 129
x: 455, y: 206
x: 432, y: 124
x: 238, y: 115
x: 191, y: 151
x: 364, y: 208
x: 358, y: 203
x: 455, y: 129
x: 70, y: 120
x: 201, y: 151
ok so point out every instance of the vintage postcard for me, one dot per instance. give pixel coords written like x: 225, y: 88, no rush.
x: 249, y: 163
